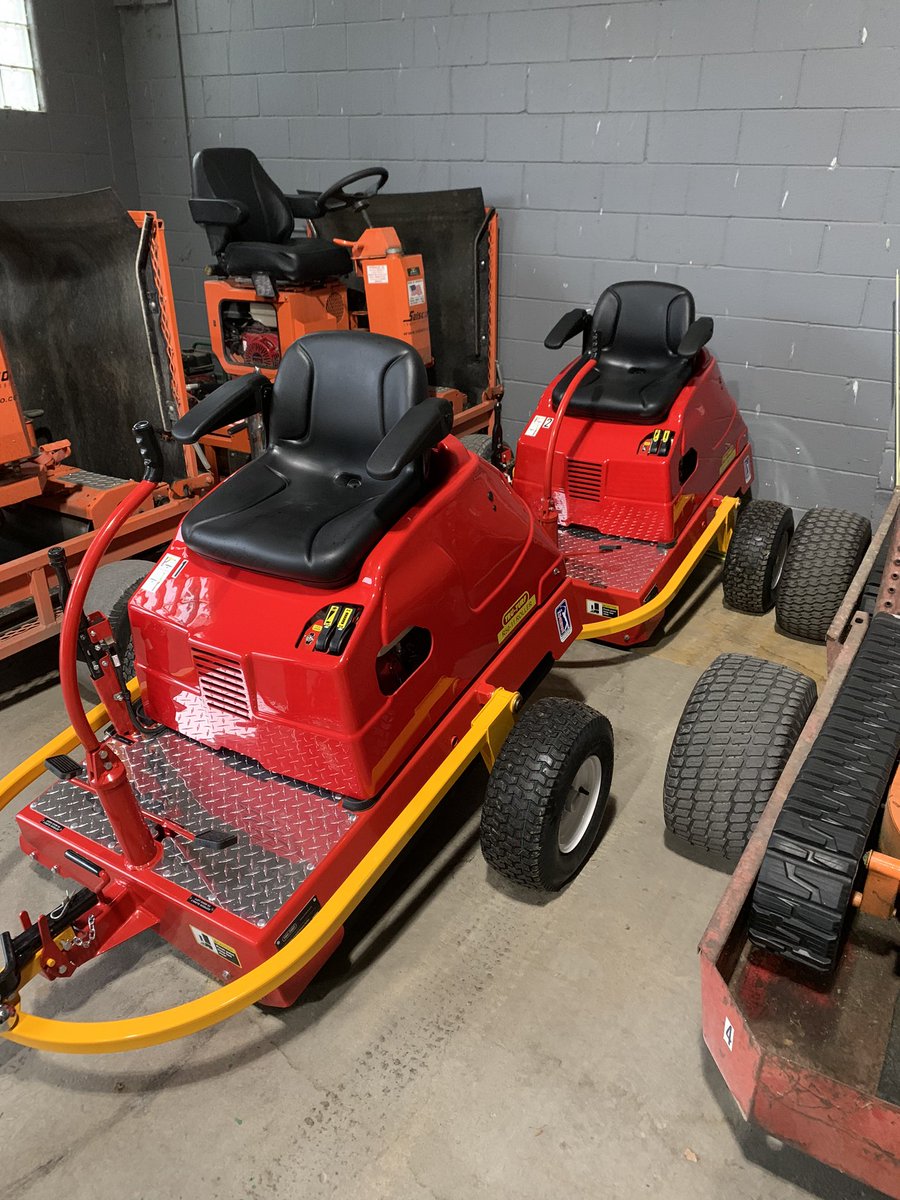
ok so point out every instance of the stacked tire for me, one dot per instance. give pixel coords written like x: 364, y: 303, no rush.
x: 804, y: 573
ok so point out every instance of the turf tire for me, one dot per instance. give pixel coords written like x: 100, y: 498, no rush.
x: 756, y: 555
x: 480, y: 444
x: 738, y: 729
x: 823, y: 558
x: 528, y: 788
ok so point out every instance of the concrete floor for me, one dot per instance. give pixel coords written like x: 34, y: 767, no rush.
x: 467, y: 1041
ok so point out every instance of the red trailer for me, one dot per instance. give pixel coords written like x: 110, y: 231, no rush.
x: 814, y: 1059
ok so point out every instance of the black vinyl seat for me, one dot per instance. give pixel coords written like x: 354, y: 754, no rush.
x: 301, y: 260
x: 250, y: 222
x: 314, y: 504
x: 638, y: 336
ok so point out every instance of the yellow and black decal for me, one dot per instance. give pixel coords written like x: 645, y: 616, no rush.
x: 515, y: 614
x: 329, y: 630
x: 597, y: 608
x: 658, y: 443
x: 212, y: 943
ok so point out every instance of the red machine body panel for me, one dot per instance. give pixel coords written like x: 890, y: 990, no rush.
x: 201, y: 907
x: 632, y: 498
x: 604, y: 476
x: 229, y: 657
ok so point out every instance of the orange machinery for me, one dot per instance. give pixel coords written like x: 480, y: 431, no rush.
x: 268, y: 288
x: 46, y: 500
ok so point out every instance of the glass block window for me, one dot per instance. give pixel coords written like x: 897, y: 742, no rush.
x: 19, y: 86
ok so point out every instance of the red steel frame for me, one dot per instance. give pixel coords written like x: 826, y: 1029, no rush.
x: 824, y: 1103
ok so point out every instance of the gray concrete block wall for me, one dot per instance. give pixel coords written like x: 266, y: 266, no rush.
x: 745, y: 148
x: 83, y: 139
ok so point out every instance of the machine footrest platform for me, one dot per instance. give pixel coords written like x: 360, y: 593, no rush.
x: 240, y: 837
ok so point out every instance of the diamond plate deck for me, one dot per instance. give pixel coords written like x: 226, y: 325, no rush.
x: 90, y: 479
x: 284, y: 828
x: 604, y: 561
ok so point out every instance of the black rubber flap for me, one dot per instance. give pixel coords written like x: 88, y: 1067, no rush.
x: 72, y: 326
x: 443, y: 228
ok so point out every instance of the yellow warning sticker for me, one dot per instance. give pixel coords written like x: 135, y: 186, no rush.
x: 345, y: 618
x: 515, y: 614
x: 208, y: 942
x: 331, y: 615
x: 596, y: 608
x: 728, y: 458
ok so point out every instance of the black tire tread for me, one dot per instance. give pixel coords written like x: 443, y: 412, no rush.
x: 803, y: 895
x: 517, y: 802
x: 826, y: 550
x: 480, y: 444
x: 744, y: 576
x: 738, y: 729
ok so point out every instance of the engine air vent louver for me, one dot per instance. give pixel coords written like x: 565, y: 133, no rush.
x: 222, y: 683
x: 584, y: 480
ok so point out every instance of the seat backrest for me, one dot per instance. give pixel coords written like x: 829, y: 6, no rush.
x: 640, y: 322
x: 231, y: 173
x: 338, y: 394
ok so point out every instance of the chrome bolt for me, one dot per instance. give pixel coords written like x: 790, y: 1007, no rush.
x: 62, y: 969
x: 226, y: 975
x: 8, y: 1018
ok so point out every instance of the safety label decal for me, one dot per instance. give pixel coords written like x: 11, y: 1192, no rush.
x: 728, y: 458
x: 563, y: 620
x: 376, y: 273
x: 208, y: 942
x: 516, y: 614
x: 748, y: 468
x: 416, y: 291
x: 161, y: 572
x: 597, y: 609
x: 537, y: 424
x: 302, y: 919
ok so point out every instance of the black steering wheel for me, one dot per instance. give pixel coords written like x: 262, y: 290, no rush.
x: 338, y: 191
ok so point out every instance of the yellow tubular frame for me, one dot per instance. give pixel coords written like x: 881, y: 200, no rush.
x: 719, y: 528
x: 484, y: 735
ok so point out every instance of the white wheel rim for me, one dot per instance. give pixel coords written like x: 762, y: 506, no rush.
x: 780, y: 556
x: 580, y: 805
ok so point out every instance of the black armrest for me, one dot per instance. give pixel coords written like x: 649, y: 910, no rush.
x: 418, y: 430
x: 305, y: 205
x: 574, y: 321
x: 218, y: 212
x: 696, y: 337
x: 237, y: 398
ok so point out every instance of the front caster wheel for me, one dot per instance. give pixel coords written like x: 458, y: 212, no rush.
x: 547, y: 794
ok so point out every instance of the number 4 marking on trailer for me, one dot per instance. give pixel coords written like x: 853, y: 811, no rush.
x: 728, y: 1034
